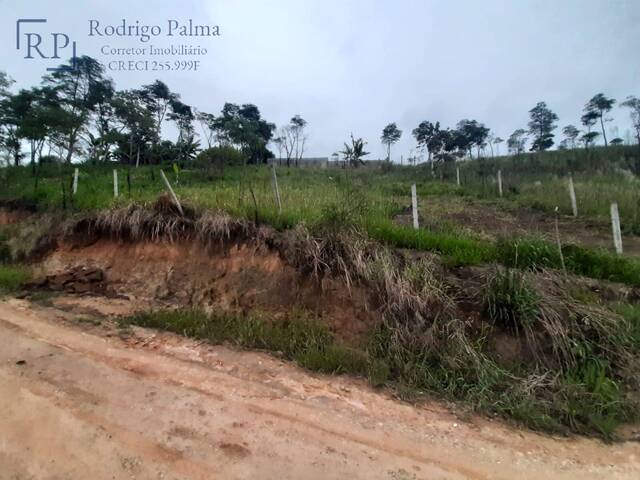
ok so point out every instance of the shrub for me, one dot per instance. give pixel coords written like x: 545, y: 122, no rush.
x: 12, y: 277
x: 510, y: 302
x: 214, y: 159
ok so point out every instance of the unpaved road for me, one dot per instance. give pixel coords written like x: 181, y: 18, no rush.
x: 79, y: 401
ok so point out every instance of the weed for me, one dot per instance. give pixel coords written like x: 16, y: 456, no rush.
x: 510, y: 302
x: 12, y: 277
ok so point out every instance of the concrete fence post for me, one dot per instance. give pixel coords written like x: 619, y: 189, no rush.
x: 572, y: 194
x: 414, y: 206
x: 615, y: 225
x: 75, y: 181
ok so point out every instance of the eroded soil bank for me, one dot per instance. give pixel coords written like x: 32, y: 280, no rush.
x: 235, y: 278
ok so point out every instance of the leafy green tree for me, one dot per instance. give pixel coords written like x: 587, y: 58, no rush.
x: 588, y: 138
x: 158, y: 98
x: 103, y: 136
x: 571, y: 134
x: 74, y: 89
x: 354, y: 153
x: 633, y: 104
x: 597, y: 107
x: 243, y: 127
x: 390, y: 136
x: 616, y: 141
x: 541, y: 126
x: 517, y: 141
x: 8, y: 132
x: 36, y: 113
x: 135, y: 127
x: 472, y: 133
x: 589, y: 119
x: 426, y: 134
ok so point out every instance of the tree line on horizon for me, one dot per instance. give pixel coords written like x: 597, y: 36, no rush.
x: 80, y: 112
x: 450, y: 144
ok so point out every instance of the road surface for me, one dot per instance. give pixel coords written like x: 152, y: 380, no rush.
x: 86, y: 401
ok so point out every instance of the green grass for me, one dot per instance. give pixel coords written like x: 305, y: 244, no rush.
x: 12, y: 277
x: 370, y: 199
x: 540, y: 181
x: 587, y: 399
x: 307, y: 342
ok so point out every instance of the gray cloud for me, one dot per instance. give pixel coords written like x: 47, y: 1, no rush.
x: 356, y: 66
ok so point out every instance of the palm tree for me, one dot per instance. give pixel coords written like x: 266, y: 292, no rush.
x: 353, y: 153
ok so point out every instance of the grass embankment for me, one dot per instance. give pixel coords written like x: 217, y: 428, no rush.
x: 574, y: 366
x: 587, y: 399
x: 372, y: 196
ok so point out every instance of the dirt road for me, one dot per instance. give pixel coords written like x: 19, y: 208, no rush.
x: 85, y: 401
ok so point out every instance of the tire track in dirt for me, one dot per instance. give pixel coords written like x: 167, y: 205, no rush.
x: 289, y: 433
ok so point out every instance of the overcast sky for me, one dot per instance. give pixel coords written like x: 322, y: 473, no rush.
x: 355, y: 65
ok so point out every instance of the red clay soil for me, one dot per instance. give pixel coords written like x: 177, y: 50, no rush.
x: 238, y: 278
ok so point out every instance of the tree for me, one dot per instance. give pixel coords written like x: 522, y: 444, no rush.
x: 597, y: 107
x: 497, y: 141
x: 472, y: 133
x: 426, y: 135
x: 8, y: 138
x: 158, y: 98
x: 616, y: 141
x: 390, y: 135
x: 516, y: 142
x: 354, y: 153
x: 5, y: 83
x: 102, y: 113
x: 207, y: 124
x: 74, y: 89
x: 293, y: 139
x: 589, y: 138
x: 589, y: 119
x: 541, y: 126
x: 571, y: 134
x: 182, y: 115
x: 633, y: 103
x: 136, y: 126
x: 36, y: 114
x: 243, y: 127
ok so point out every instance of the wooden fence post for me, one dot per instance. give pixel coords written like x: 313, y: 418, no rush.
x: 171, y: 192
x: 572, y: 194
x: 276, y: 190
x: 75, y: 181
x: 500, y: 182
x: 115, y: 183
x: 414, y: 206
x: 615, y: 225
x: 458, y: 175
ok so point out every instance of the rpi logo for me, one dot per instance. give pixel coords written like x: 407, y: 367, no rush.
x: 47, y: 46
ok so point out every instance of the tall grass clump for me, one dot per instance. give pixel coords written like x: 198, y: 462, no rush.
x: 297, y: 338
x: 12, y: 277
